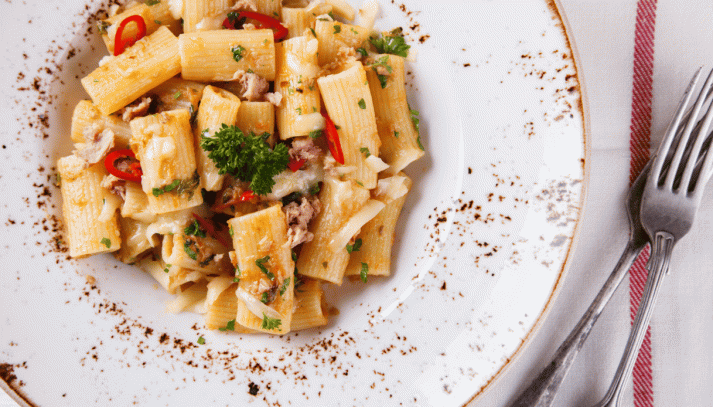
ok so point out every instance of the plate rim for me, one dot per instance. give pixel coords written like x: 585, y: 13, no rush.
x: 558, y: 10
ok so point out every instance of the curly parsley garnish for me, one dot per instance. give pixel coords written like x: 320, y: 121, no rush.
x: 270, y: 323
x: 393, y: 43
x: 248, y: 158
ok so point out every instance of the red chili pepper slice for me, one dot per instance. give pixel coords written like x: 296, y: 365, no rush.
x: 119, y: 44
x: 264, y: 21
x: 295, y: 165
x: 244, y: 197
x: 333, y: 139
x: 208, y: 227
x: 130, y: 171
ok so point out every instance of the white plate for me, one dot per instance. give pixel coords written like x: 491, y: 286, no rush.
x: 479, y: 255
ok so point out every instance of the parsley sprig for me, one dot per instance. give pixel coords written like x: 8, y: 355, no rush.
x: 248, y: 158
x: 393, y: 43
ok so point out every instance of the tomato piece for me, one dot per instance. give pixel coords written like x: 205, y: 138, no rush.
x: 130, y: 171
x: 264, y: 21
x: 119, y: 44
x: 335, y: 146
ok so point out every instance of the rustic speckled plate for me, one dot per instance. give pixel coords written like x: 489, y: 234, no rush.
x: 480, y: 252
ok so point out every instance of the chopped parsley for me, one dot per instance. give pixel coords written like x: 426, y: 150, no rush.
x: 393, y: 43
x: 415, y: 121
x: 231, y: 232
x: 314, y: 189
x: 299, y: 111
x: 362, y: 51
x: 157, y: 22
x: 396, y: 134
x: 265, y: 298
x: 238, y: 52
x: 284, y: 286
x: 201, y: 340
x: 313, y: 33
x: 315, y: 134
x: 102, y: 26
x: 152, y: 2
x: 270, y: 323
x: 337, y: 28
x: 177, y: 95
x: 194, y: 229
x: 248, y: 158
x: 365, y: 151
x: 230, y: 326
x: 362, y: 104
x: 382, y: 62
x: 354, y: 247
x: 361, y: 184
x: 181, y: 186
x: 261, y: 264
x: 364, y: 271
x: 165, y: 269
x: 354, y: 31
x: 106, y: 242
x: 188, y: 248
x: 238, y: 274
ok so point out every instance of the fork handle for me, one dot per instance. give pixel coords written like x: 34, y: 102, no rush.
x: 658, y: 267
x: 542, y: 390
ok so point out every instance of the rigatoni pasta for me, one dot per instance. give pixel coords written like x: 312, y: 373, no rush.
x: 244, y: 158
x: 147, y: 64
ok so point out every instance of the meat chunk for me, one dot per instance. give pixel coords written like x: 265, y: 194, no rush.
x: 298, y: 218
x: 303, y: 148
x: 115, y: 185
x: 245, y: 5
x: 136, y: 109
x: 97, y: 143
x: 252, y: 86
x: 274, y: 98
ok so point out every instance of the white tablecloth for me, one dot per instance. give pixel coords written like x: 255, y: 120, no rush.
x: 682, y: 326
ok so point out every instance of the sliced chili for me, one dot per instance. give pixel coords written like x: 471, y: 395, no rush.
x: 120, y: 45
x: 264, y: 21
x: 123, y: 164
x: 295, y: 165
x: 208, y: 227
x: 335, y: 146
x: 244, y: 197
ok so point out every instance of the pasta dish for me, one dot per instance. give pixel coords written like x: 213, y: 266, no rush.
x: 243, y: 154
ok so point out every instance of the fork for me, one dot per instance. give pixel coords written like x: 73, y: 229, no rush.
x: 671, y: 197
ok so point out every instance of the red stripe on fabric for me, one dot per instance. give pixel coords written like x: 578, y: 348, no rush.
x: 639, y: 149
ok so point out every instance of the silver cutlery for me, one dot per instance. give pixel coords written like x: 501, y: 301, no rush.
x: 542, y: 390
x: 671, y: 197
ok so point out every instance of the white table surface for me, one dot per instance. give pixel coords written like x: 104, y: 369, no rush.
x: 682, y: 326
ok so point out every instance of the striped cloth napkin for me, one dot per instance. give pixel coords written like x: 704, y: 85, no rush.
x: 636, y: 58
